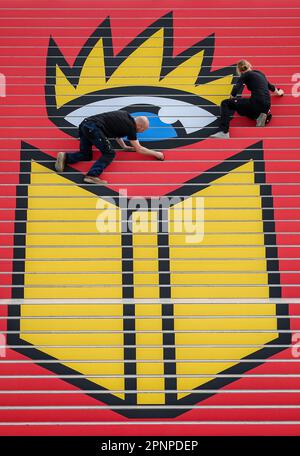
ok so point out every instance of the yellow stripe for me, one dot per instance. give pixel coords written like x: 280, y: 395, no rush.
x: 145, y: 222
x: 219, y: 274
x: 52, y: 285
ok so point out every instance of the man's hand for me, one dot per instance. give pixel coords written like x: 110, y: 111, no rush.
x: 143, y: 150
x: 279, y: 92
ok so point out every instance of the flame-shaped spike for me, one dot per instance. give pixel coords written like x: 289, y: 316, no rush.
x: 215, y: 91
x: 185, y: 75
x: 143, y: 66
x: 92, y: 77
x: 148, y: 60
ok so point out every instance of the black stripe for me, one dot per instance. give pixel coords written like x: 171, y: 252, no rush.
x: 167, y: 309
x: 128, y: 310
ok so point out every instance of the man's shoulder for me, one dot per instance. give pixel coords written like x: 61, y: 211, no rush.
x: 258, y: 72
x: 126, y: 116
x: 121, y: 114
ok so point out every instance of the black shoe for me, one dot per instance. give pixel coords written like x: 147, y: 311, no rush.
x: 269, y: 117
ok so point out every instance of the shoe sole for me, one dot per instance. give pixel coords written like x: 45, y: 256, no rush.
x: 88, y: 181
x: 219, y: 137
x: 261, y: 120
x: 60, y: 162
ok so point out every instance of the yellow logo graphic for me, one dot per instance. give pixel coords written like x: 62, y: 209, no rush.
x: 156, y: 336
x: 179, y: 94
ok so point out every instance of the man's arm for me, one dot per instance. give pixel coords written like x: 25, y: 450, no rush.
x: 238, y: 86
x: 124, y: 146
x: 137, y: 147
x: 277, y: 91
x: 271, y: 87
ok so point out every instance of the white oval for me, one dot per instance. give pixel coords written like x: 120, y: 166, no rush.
x: 192, y: 118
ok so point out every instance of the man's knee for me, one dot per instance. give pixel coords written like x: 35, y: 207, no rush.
x: 88, y: 154
x: 226, y: 103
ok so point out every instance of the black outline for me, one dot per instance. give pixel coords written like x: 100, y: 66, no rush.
x: 254, y: 152
x: 55, y: 57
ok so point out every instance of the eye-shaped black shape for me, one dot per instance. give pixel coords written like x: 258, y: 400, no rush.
x: 177, y: 118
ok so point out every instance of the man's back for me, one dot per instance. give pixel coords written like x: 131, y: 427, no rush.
x: 258, y: 85
x: 116, y: 124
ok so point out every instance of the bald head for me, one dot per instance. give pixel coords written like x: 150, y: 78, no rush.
x: 142, y: 123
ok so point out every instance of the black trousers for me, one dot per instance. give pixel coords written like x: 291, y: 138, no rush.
x: 244, y: 107
x: 90, y: 134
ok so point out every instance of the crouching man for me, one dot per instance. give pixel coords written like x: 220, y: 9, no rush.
x: 256, y: 107
x: 97, y: 130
